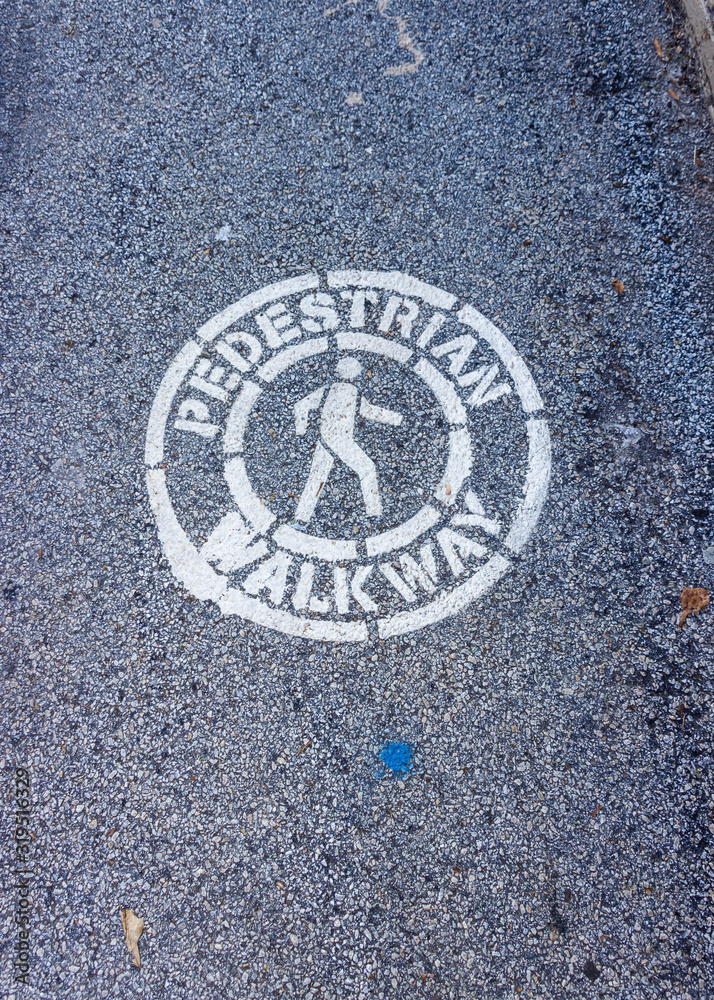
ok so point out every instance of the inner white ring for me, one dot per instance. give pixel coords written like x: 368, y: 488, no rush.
x: 260, y: 517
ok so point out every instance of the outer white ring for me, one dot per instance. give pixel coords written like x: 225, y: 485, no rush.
x: 196, y: 573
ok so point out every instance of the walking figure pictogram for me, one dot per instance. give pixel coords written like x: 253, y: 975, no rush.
x: 337, y: 429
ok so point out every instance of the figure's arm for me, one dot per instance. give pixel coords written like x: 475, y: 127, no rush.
x: 379, y: 414
x: 303, y: 408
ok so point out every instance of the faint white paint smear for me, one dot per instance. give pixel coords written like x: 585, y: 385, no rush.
x: 333, y: 10
x: 404, y: 40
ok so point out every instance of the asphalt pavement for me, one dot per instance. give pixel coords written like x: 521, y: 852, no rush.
x: 357, y: 445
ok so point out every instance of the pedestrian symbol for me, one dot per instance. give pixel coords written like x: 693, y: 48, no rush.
x: 337, y: 438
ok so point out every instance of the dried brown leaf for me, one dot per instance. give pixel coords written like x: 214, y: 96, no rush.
x: 133, y: 929
x: 658, y: 48
x: 694, y: 600
x: 673, y: 93
x: 618, y: 286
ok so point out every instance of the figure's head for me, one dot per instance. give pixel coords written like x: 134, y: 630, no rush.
x: 349, y: 368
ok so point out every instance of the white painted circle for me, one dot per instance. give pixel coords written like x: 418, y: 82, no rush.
x: 412, y: 430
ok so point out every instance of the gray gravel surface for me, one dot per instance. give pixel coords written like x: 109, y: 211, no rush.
x: 552, y: 836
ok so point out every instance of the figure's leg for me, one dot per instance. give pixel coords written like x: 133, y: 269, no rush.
x: 354, y: 458
x: 370, y: 487
x: 322, y: 462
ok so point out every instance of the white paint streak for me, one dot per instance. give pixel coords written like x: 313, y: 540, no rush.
x: 404, y: 41
x: 291, y: 356
x: 304, y: 407
x: 443, y: 390
x: 320, y: 308
x: 358, y: 581
x: 235, y: 603
x: 431, y: 328
x: 454, y: 545
x: 376, y: 345
x: 341, y: 590
x: 458, y: 466
x: 275, y: 325
x: 405, y: 320
x: 390, y: 574
x: 333, y: 10
x: 483, y: 393
x: 187, y: 564
x: 359, y: 297
x: 448, y: 604
x: 422, y: 574
x: 303, y: 589
x: 337, y: 428
x: 232, y: 544
x: 178, y: 369
x: 200, y: 423
x: 238, y: 418
x: 393, y: 281
x: 320, y: 469
x: 246, y: 499
x: 379, y: 414
x: 225, y: 349
x: 196, y: 427
x: 217, y: 324
x: 303, y: 596
x: 536, y: 488
x: 530, y: 397
x: 302, y: 544
x: 477, y: 518
x: 209, y: 388
x: 458, y: 351
x: 271, y: 575
x: 403, y: 534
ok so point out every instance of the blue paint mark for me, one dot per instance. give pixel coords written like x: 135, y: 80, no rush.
x: 397, y: 757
